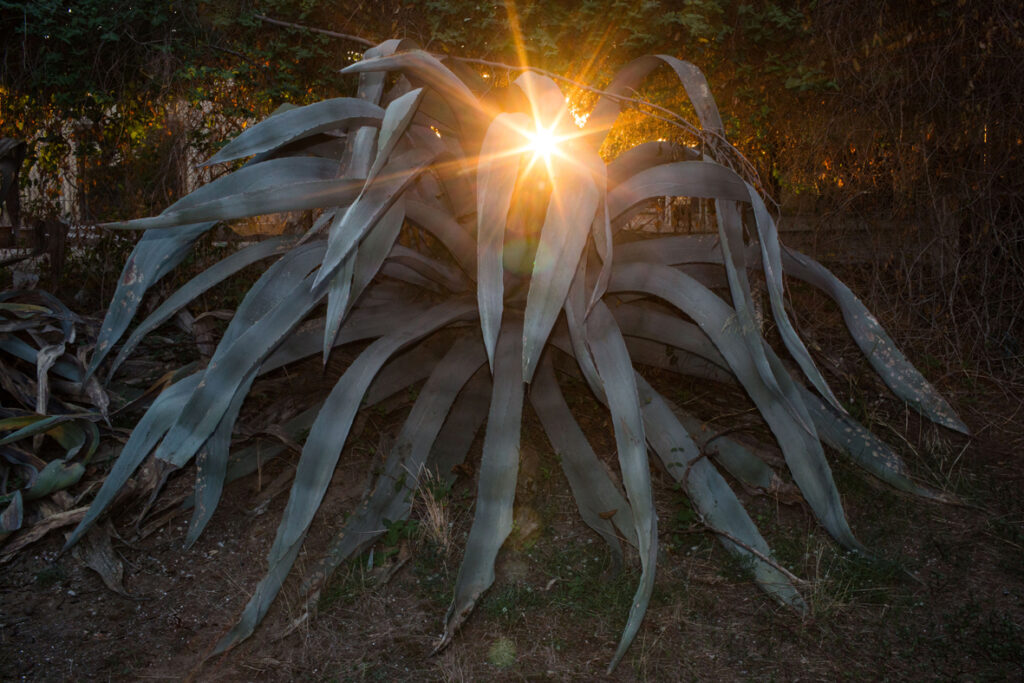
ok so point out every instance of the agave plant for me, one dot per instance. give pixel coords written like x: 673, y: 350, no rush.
x: 527, y: 267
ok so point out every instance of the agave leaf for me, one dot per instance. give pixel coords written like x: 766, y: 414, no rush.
x: 299, y: 183
x: 159, y: 251
x: 628, y: 80
x: 737, y: 459
x: 19, y: 349
x: 291, y: 125
x: 459, y: 430
x: 427, y: 69
x: 155, y: 255
x: 575, y: 315
x: 397, y: 117
x: 703, y: 179
x: 798, y: 440
x: 274, y: 286
x: 338, y: 294
x: 496, y: 486
x: 680, y: 347
x: 200, y: 283
x: 444, y: 275
x: 402, y: 372
x: 497, y: 172
x: 262, y: 597
x: 888, y: 361
x: 245, y: 461
x: 226, y: 374
x: 672, y: 250
x: 367, y: 210
x: 595, y: 493
x: 13, y: 516
x: 845, y: 434
x: 709, y: 492
x: 30, y: 425
x: 647, y: 155
x: 359, y: 146
x: 445, y: 228
x: 666, y: 357
x: 376, y: 246
x: 730, y: 241
x: 547, y: 103
x: 24, y: 310
x: 771, y: 264
x: 577, y: 186
x: 393, y: 494
x: 67, y: 430
x: 57, y: 475
x: 274, y: 305
x: 360, y: 325
x: 72, y: 436
x: 403, y: 273
x: 212, y: 465
x: 649, y: 323
x: 320, y: 456
x: 148, y: 431
x: 601, y: 231
x: 836, y: 429
x: 616, y: 371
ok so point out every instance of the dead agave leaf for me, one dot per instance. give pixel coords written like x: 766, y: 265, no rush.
x: 96, y: 551
x: 33, y: 533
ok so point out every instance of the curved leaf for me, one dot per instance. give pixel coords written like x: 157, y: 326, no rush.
x: 702, y: 179
x: 445, y: 228
x: 349, y: 228
x: 291, y: 184
x: 397, y: 117
x: 393, y: 493
x: 888, y: 361
x: 155, y: 255
x: 427, y: 69
x: 496, y: 176
x: 709, y: 492
x: 57, y: 475
x: 460, y: 429
x: 577, y: 185
x: 280, y: 299
x: 598, y: 498
x: 320, y: 456
x: 148, y: 431
x: 771, y: 264
x: 799, y: 441
x: 291, y: 125
x: 496, y: 485
x: 616, y: 371
x: 210, y: 277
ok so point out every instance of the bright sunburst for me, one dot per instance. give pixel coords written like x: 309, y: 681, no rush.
x: 543, y: 142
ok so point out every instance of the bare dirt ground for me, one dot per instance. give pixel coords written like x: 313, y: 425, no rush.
x: 943, y: 598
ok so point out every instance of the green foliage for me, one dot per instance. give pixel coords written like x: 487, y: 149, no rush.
x: 533, y: 262
x: 86, y: 51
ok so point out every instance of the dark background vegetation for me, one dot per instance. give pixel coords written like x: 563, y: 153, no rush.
x: 905, y: 114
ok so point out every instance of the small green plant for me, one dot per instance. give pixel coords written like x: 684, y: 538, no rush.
x: 497, y: 233
x: 502, y: 653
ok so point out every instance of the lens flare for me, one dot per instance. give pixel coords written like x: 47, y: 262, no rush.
x: 543, y: 142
